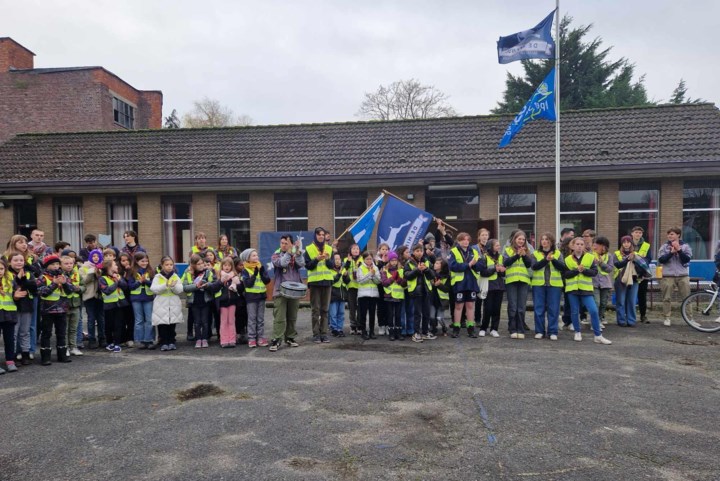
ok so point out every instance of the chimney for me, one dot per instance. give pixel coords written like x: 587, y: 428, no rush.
x: 14, y: 56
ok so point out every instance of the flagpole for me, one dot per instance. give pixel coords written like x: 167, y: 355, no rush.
x: 557, y: 120
x: 408, y: 203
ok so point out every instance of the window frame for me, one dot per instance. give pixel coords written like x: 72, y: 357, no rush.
x: 654, y: 237
x: 133, y: 223
x: 58, y: 204
x: 172, y: 200
x: 123, y: 112
x: 279, y: 198
x: 710, y: 244
x: 238, y: 199
x: 360, y: 195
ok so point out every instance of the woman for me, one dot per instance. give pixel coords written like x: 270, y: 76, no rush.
x: 547, y: 286
x: 517, y: 260
x: 225, y: 249
x: 630, y: 270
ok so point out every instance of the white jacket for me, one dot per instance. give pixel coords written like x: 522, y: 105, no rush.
x: 166, y: 309
x: 368, y: 282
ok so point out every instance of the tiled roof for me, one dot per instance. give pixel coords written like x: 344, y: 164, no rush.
x: 461, y: 148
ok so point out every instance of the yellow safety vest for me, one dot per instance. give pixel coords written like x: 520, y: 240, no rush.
x: 456, y: 277
x: 138, y: 290
x: 116, y: 296
x: 169, y: 292
x: 7, y: 303
x: 54, y: 296
x: 443, y: 295
x: 396, y: 290
x: 321, y: 272
x: 365, y: 271
x: 604, y: 259
x: 538, y: 278
x: 619, y: 256
x: 259, y: 286
x: 354, y: 265
x: 339, y: 283
x: 491, y: 262
x: 581, y: 282
x: 517, y: 272
x: 643, y: 249
x: 412, y: 283
x: 75, y: 281
x: 196, y: 250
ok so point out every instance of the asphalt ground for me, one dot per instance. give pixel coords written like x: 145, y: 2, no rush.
x: 450, y: 409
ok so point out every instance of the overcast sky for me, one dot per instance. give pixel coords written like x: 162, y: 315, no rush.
x: 312, y: 60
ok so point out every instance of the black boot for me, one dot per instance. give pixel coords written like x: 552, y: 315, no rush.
x: 391, y: 335
x: 365, y: 335
x: 62, y: 354
x: 455, y: 331
x: 471, y: 332
x: 25, y: 359
x: 45, y: 356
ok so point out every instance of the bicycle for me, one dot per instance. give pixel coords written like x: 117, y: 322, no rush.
x: 701, y: 309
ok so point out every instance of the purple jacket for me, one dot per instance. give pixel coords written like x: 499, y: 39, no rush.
x: 675, y: 264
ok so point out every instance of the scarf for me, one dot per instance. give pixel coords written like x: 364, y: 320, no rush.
x: 38, y: 249
x: 253, y: 265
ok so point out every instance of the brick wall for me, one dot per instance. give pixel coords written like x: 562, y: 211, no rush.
x: 150, y: 225
x: 205, y: 216
x: 671, y: 201
x: 488, y: 201
x: 321, y: 210
x: 262, y: 214
x: 46, y: 217
x: 14, y: 55
x: 7, y: 223
x: 545, y: 209
x: 607, y: 211
x: 95, y: 219
x: 148, y: 113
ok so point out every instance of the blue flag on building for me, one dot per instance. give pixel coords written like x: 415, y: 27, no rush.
x: 402, y: 224
x: 534, y: 43
x: 540, y: 106
x: 363, y: 227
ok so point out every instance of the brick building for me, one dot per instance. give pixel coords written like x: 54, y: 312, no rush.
x: 652, y: 166
x: 72, y: 99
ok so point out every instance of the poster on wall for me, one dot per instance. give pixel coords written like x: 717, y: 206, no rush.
x: 269, y: 242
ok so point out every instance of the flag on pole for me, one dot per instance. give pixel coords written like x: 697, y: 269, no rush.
x: 402, y: 224
x: 534, y: 43
x: 540, y: 106
x: 362, y: 228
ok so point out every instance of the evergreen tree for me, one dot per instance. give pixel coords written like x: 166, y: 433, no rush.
x: 678, y: 95
x: 588, y: 79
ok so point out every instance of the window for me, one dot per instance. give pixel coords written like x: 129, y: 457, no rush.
x: 122, y: 215
x: 123, y: 113
x: 291, y: 211
x: 701, y: 217
x: 234, y: 219
x: 177, y: 227
x: 516, y: 210
x: 456, y: 204
x: 578, y: 205
x: 638, y: 205
x: 25, y: 216
x: 69, y: 221
x: 348, y: 206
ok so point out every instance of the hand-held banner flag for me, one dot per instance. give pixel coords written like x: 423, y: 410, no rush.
x: 402, y: 224
x: 540, y: 106
x: 362, y: 228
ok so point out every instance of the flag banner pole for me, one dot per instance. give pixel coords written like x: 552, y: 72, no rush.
x: 408, y: 203
x: 370, y: 207
x: 557, y: 120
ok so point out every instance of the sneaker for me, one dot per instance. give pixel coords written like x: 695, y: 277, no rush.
x: 494, y: 333
x: 514, y: 335
x: 274, y: 345
x: 578, y: 336
x: 263, y: 342
x: 252, y: 343
x: 191, y: 339
x: 18, y: 357
x: 130, y: 344
x: 117, y: 348
x: 341, y: 333
x: 521, y: 335
x: 571, y: 328
x: 198, y: 344
x: 601, y: 340
x: 324, y: 339
x: 172, y: 347
x: 481, y: 333
x: 205, y: 343
x: 11, y: 367
x: 75, y: 352
x: 32, y: 356
x: 164, y: 347
x: 539, y: 335
x: 429, y: 337
x: 109, y: 347
x: 151, y: 347
x: 585, y: 322
x: 417, y: 338
x: 291, y: 342
x: 553, y: 337
x: 381, y: 331
x: 316, y: 339
x: 667, y: 323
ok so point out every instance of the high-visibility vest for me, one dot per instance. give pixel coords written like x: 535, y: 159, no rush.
x: 75, y: 281
x: 196, y: 250
x: 643, y: 249
x: 339, y: 283
x: 139, y: 289
x: 619, y: 256
x: 365, y: 270
x: 517, y: 272
x: 604, y: 259
x: 396, y: 290
x: 581, y: 282
x: 259, y: 286
x: 538, y: 278
x: 117, y: 294
x: 7, y: 303
x: 456, y: 277
x: 321, y: 272
x: 54, y: 296
x: 491, y: 262
x: 412, y: 283
x: 443, y: 295
x: 169, y: 292
x: 354, y: 265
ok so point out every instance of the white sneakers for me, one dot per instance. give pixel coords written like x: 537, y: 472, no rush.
x: 553, y: 337
x: 481, y: 333
x: 494, y: 333
x: 75, y: 352
x: 578, y: 336
x: 601, y: 340
x: 538, y: 335
x: 667, y: 323
x: 514, y: 335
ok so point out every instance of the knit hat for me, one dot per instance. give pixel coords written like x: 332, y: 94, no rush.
x: 99, y: 254
x: 392, y: 255
x: 49, y: 259
x: 245, y: 255
x: 429, y: 237
x: 626, y: 238
x: 67, y: 252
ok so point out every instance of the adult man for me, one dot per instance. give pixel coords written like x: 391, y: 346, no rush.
x: 642, y: 248
x: 675, y: 256
x: 287, y: 260
x: 90, y: 244
x: 318, y: 261
x: 37, y: 245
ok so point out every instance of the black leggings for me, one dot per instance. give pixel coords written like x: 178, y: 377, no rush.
x: 366, y: 306
x: 491, y: 316
x: 166, y: 334
x: 201, y: 317
x: 114, y: 325
x: 642, y: 297
x: 393, y: 310
x: 59, y: 322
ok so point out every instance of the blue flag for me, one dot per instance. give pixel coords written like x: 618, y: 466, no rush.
x: 362, y: 228
x: 402, y: 224
x: 540, y: 106
x: 534, y: 43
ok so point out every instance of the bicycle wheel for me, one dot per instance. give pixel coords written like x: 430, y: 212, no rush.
x: 699, y: 311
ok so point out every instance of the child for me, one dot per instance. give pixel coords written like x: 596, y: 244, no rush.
x: 440, y: 296
x: 463, y: 263
x: 338, y: 296
x: 407, y: 312
x: 142, y: 299
x: 603, y: 282
x: 89, y: 274
x: 241, y: 314
x: 392, y: 280
x: 186, y: 279
x: 483, y: 237
x: 581, y: 268
x: 127, y: 315
x: 368, y: 277
x: 255, y: 279
x: 547, y: 287
x: 352, y: 263
x: 380, y: 261
x: 227, y: 302
x: 419, y: 278
x: 167, y: 308
x: 491, y: 266
x: 25, y: 292
x: 517, y: 258
x: 53, y: 309
x: 74, y: 300
x: 224, y: 248
x: 631, y: 268
x: 8, y: 316
x: 111, y: 285
x: 211, y: 261
x: 200, y: 285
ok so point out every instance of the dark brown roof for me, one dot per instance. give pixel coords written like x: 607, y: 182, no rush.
x: 596, y: 144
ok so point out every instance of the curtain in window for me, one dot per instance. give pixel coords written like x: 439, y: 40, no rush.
x: 70, y: 225
x: 121, y: 221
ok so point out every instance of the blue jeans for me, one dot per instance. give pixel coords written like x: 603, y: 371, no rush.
x: 589, y: 303
x: 625, y: 300
x: 517, y: 293
x: 95, y: 318
x: 337, y: 315
x: 34, y: 323
x: 143, y: 321
x: 79, y: 337
x: 546, y: 302
x: 407, y: 316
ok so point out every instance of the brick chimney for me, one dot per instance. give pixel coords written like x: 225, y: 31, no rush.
x: 14, y: 56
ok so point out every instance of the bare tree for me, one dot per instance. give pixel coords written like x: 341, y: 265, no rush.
x: 405, y: 99
x: 211, y: 113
